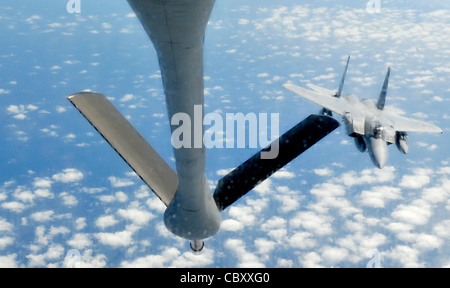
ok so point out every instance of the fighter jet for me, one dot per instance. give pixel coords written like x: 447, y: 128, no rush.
x: 372, y: 128
x: 177, y: 30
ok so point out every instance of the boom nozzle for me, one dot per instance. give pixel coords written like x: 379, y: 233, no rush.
x: 197, y: 246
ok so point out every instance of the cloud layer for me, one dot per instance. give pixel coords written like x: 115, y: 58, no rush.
x: 63, y: 188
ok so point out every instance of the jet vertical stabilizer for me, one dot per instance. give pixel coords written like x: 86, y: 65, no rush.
x: 337, y: 94
x: 341, y: 85
x: 382, y: 99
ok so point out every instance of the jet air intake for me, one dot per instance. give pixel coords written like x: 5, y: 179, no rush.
x: 360, y: 143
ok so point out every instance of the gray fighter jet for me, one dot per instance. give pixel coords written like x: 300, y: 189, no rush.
x: 372, y: 128
x: 177, y: 30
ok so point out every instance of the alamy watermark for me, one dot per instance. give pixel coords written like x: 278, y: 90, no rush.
x: 373, y: 6
x: 222, y: 133
x: 74, y: 6
x: 375, y: 262
x: 73, y: 259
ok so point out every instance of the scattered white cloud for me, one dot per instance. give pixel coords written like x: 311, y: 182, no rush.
x: 106, y: 221
x: 367, y: 176
x: 20, y: 112
x: 42, y: 216
x: 378, y: 196
x: 118, y: 196
x: 333, y: 255
x: 32, y: 19
x: 87, y: 260
x: 137, y: 216
x: 126, y: 31
x: 154, y: 203
x: 23, y: 194
x: 115, y: 239
x: 80, y: 223
x: 416, y: 213
x: 55, y: 25
x: 246, y: 259
x: 9, y: 261
x: 68, y: 175
x: 5, y: 226
x: 243, y: 21
x: 315, y: 223
x: 416, y: 181
x: 127, y: 97
x: 282, y: 173
x: 60, y: 109
x: 302, y: 240
x: 42, y: 183
x: 68, y: 200
x: 406, y: 256
x: 53, y: 253
x: 80, y: 241
x: 323, y: 172
x: 231, y: 225
x: 119, y: 182
x: 288, y: 202
x: 223, y: 172
x: 164, y: 259
x: 5, y: 241
x: 13, y: 206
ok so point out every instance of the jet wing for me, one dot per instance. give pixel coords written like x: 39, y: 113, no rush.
x: 404, y: 124
x: 321, y: 90
x: 337, y: 105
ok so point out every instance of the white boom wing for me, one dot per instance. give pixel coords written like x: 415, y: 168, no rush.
x: 129, y: 143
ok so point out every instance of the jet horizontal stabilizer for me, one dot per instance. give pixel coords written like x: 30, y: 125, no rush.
x: 255, y: 170
x: 128, y: 143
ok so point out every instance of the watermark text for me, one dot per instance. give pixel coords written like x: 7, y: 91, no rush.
x: 373, y: 6
x: 73, y: 259
x: 74, y: 6
x: 224, y: 134
x: 375, y: 261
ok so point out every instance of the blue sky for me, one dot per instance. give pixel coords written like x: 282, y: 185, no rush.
x: 62, y: 187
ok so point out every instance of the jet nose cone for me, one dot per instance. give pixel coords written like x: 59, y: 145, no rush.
x: 380, y: 163
x: 379, y: 153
